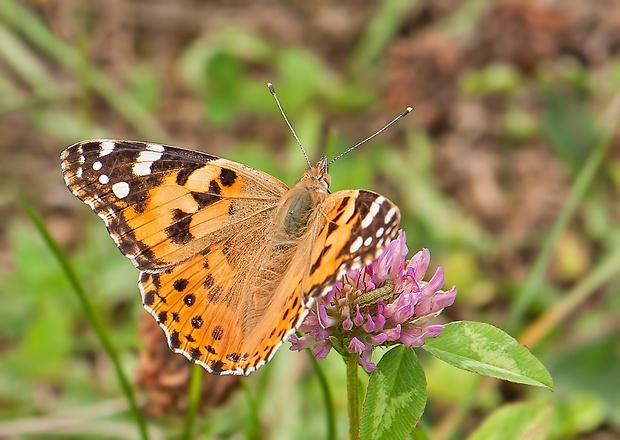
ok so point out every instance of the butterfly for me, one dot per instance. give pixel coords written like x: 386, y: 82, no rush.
x: 231, y: 259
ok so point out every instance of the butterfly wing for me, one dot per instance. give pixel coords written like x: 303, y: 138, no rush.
x: 204, y: 304
x: 353, y: 228
x: 163, y: 204
x: 193, y: 223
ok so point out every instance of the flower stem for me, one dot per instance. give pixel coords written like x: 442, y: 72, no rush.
x: 353, y: 398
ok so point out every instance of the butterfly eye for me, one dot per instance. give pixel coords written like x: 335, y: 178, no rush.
x: 327, y: 179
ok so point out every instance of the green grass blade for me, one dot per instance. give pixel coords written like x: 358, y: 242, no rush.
x: 90, y: 313
x: 330, y: 411
x: 194, y: 394
x: 380, y: 32
x: 253, y: 428
x: 23, y: 62
x: 552, y: 319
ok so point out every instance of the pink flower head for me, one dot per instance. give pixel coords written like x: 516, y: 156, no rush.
x: 384, y: 303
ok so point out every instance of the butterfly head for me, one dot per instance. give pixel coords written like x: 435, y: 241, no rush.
x: 317, y: 176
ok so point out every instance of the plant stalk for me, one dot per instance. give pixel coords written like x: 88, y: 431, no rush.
x: 353, y: 398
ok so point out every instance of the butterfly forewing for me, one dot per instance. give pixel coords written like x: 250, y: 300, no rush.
x: 163, y: 204
x: 230, y: 264
x: 356, y: 226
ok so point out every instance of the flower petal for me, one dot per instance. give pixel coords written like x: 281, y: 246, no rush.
x: 378, y: 339
x: 358, y: 319
x: 393, y: 334
x: 347, y: 324
x: 299, y: 344
x: 356, y: 346
x: 365, y: 362
x: 325, y: 320
x: 369, y: 325
x: 419, y: 264
x: 322, y: 350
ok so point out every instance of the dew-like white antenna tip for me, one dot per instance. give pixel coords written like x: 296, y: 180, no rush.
x: 403, y: 114
x: 273, y: 93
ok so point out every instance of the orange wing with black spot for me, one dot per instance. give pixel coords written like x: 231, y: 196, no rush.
x: 162, y: 204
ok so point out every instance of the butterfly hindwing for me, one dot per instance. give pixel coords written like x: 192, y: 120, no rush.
x: 206, y: 306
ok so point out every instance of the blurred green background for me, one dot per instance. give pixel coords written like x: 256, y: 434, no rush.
x: 508, y: 170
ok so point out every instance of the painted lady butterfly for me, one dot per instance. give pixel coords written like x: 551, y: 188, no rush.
x: 231, y: 259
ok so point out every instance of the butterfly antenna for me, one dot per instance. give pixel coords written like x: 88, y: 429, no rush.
x: 273, y: 93
x: 403, y: 114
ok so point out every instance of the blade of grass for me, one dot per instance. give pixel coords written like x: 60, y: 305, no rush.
x: 379, y: 33
x: 602, y: 273
x: 253, y: 430
x: 194, y: 394
x: 20, y: 102
x: 330, y: 412
x: 35, y: 31
x: 582, y: 183
x: 90, y: 313
x: 23, y: 62
x: 29, y: 68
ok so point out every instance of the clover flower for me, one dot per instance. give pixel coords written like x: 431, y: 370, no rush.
x: 384, y: 303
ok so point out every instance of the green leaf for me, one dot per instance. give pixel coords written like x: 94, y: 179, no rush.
x: 224, y: 72
x: 518, y: 421
x: 487, y: 350
x: 300, y: 77
x: 396, y: 396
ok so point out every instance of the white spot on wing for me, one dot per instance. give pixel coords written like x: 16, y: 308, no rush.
x: 357, y: 244
x: 379, y: 232
x: 155, y: 147
x: 103, y: 179
x: 390, y: 215
x: 120, y: 189
x: 97, y: 166
x: 374, y: 210
x: 368, y: 219
x: 142, y: 167
x: 106, y: 148
x: 368, y: 241
x: 79, y: 172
